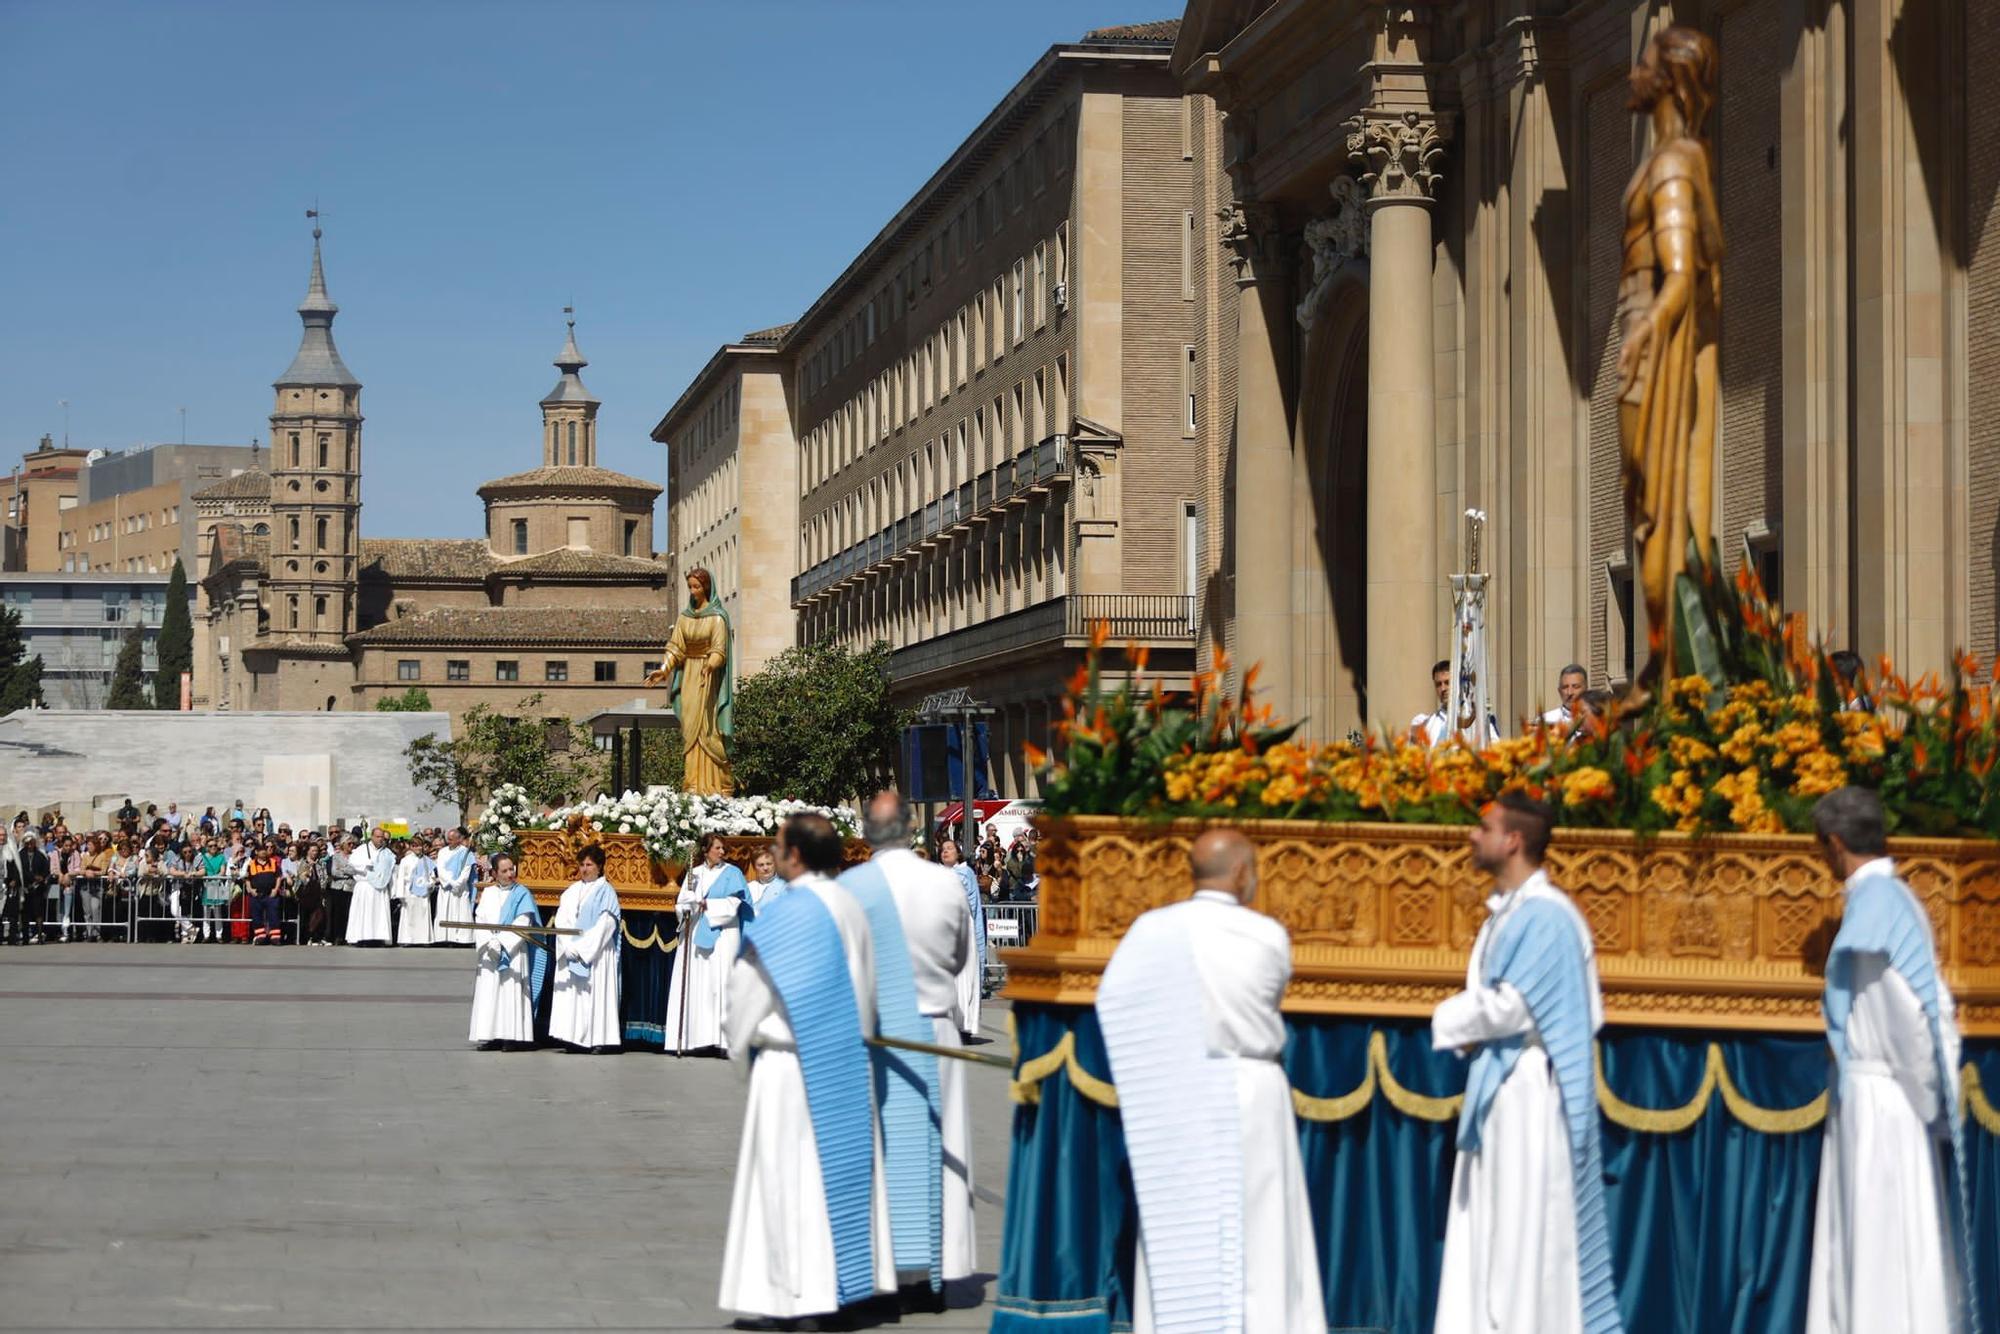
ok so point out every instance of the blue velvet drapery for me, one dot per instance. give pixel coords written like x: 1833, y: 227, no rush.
x: 1711, y: 1225
x: 644, y: 974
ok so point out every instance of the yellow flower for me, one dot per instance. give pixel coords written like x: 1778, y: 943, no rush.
x: 1741, y: 747
x: 1818, y: 774
x: 1580, y: 786
x: 1688, y: 750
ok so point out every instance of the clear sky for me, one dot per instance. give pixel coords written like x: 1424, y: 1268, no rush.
x: 684, y: 172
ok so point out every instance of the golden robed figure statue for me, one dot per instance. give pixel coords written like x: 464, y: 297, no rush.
x: 698, y: 666
x: 1669, y: 311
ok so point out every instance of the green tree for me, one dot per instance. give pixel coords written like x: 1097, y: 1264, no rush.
x: 176, y: 652
x: 128, y: 677
x: 20, y: 673
x: 414, y: 700
x: 550, y: 757
x: 817, y: 724
x: 662, y: 759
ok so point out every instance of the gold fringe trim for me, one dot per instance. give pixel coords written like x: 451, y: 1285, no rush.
x: 666, y: 945
x: 1377, y: 1078
x: 1972, y: 1093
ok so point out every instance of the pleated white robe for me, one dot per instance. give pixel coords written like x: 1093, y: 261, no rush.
x: 778, y: 1260
x: 1510, y: 1253
x: 697, y: 993
x: 1244, y: 960
x: 503, y: 1008
x: 452, y: 901
x: 1882, y: 1258
x: 415, y: 926
x: 368, y: 919
x: 583, y: 1011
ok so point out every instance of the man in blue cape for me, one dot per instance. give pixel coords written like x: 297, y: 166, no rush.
x: 1890, y: 1237
x: 809, y: 1217
x: 1527, y: 1244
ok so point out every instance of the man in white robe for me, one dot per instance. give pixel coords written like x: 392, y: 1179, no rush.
x: 711, y: 907
x: 416, y: 879
x: 937, y: 933
x: 1527, y: 1244
x: 453, y: 900
x: 1433, y: 729
x: 1889, y: 1247
x: 509, y: 962
x: 972, y: 975
x: 809, y: 1089
x: 583, y: 1011
x: 1189, y: 1011
x: 368, y: 921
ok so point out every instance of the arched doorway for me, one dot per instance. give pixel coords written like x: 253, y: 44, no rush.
x: 1333, y: 450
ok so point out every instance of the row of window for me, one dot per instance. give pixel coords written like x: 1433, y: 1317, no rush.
x: 142, y: 522
x: 323, y: 449
x: 555, y: 437
x: 509, y: 669
x: 977, y: 335
x: 116, y: 605
x: 979, y: 216
x: 716, y: 422
x: 710, y: 501
x: 1029, y: 413
x: 78, y: 562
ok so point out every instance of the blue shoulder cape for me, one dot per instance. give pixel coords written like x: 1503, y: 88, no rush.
x: 601, y: 901
x: 797, y: 946
x: 1537, y: 951
x: 520, y: 902
x: 906, y: 1086
x: 1883, y: 917
x: 728, y: 884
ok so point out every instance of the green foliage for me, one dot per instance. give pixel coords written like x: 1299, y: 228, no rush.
x: 551, y: 759
x: 414, y: 700
x: 817, y: 724
x: 20, y: 674
x: 176, y: 650
x: 128, y: 679
x: 662, y: 760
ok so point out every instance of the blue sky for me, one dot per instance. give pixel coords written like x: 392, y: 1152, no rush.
x: 682, y: 171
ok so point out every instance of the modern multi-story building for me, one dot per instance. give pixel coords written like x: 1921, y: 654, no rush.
x: 77, y: 622
x: 993, y: 408
x: 134, y: 509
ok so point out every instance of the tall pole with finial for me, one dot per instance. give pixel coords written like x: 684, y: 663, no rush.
x: 1471, y: 704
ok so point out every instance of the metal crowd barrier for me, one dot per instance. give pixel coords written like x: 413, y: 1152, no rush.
x: 1007, y: 925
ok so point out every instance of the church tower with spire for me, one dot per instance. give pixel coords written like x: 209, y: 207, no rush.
x: 569, y: 413
x: 315, y: 485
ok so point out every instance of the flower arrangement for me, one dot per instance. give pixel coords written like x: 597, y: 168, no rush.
x: 1746, y: 743
x: 669, y: 821
x: 509, y: 808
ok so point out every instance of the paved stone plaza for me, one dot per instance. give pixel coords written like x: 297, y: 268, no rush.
x: 213, y: 1136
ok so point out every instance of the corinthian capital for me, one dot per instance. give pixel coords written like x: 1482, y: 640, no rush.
x: 1250, y: 230
x: 1396, y: 155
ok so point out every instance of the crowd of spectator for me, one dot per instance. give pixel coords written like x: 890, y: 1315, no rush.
x: 224, y: 876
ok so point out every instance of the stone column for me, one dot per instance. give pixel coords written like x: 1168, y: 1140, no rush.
x: 1261, y: 482
x: 1395, y: 155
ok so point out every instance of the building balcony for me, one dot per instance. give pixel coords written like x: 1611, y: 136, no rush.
x: 1156, y: 620
x: 1032, y: 471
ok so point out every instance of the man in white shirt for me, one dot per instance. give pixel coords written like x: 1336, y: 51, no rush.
x: 1571, y: 682
x: 1889, y: 1249
x: 937, y: 931
x: 1189, y: 1010
x: 1434, y: 729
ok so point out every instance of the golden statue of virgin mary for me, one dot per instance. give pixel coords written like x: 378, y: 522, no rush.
x: 698, y: 665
